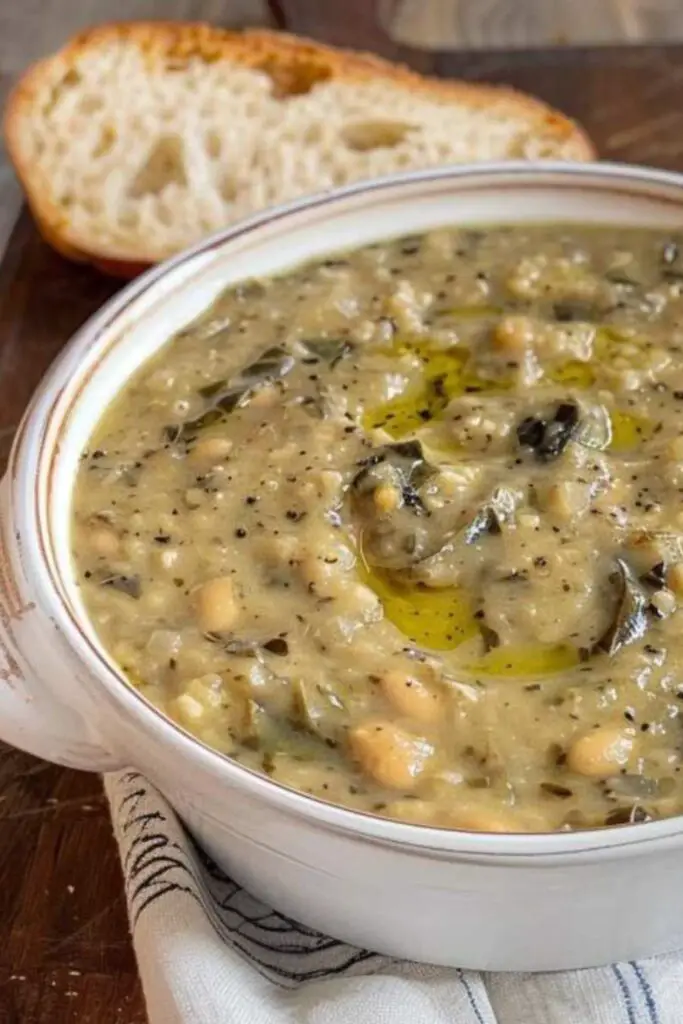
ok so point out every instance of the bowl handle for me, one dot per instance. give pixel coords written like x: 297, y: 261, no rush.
x: 35, y: 663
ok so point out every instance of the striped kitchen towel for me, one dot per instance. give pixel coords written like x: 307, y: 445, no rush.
x: 210, y: 953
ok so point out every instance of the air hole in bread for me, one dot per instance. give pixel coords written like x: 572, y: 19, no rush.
x: 296, y: 79
x: 365, y: 135
x: 105, y: 141
x: 92, y: 205
x: 164, y: 166
x: 164, y: 215
x: 228, y: 189
x: 313, y: 133
x: 213, y: 145
x: 66, y: 82
x: 129, y: 217
x: 90, y: 104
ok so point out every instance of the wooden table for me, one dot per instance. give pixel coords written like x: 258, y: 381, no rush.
x: 65, y: 954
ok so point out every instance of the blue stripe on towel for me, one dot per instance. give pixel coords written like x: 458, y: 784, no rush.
x: 473, y: 1002
x: 625, y: 993
x: 648, y: 994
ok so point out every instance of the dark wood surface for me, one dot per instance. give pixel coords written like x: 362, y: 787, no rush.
x: 65, y: 954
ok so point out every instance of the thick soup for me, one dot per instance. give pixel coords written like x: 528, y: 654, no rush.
x: 403, y: 528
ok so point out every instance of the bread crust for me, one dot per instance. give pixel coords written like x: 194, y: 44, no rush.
x: 293, y: 63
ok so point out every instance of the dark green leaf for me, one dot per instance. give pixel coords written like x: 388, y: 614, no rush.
x: 234, y: 645
x: 278, y: 645
x: 318, y: 709
x: 490, y: 637
x: 248, y: 648
x: 630, y: 622
x: 622, y: 278
x: 576, y: 310
x: 410, y: 464
x: 209, y: 390
x: 548, y: 437
x: 227, y: 396
x: 271, y: 365
x: 129, y: 585
x: 554, y: 789
x: 492, y: 515
x: 330, y: 350
x: 633, y: 815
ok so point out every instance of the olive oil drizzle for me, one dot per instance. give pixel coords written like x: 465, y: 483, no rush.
x: 443, y: 619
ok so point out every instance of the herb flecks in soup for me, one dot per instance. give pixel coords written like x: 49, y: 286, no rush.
x: 403, y: 528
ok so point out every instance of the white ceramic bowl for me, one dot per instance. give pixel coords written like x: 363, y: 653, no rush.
x: 503, y: 902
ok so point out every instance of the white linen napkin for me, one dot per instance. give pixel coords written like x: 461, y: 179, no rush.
x: 210, y: 953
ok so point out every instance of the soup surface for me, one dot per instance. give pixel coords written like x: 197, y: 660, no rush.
x: 403, y: 528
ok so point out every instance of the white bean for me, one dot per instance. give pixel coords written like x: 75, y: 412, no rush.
x: 600, y: 753
x: 411, y: 697
x: 211, y: 449
x: 216, y: 605
x: 187, y: 710
x: 391, y: 756
x: 103, y: 541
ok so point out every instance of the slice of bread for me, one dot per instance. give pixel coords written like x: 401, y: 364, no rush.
x: 138, y: 138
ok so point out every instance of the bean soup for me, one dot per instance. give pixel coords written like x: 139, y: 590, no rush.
x: 403, y: 529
